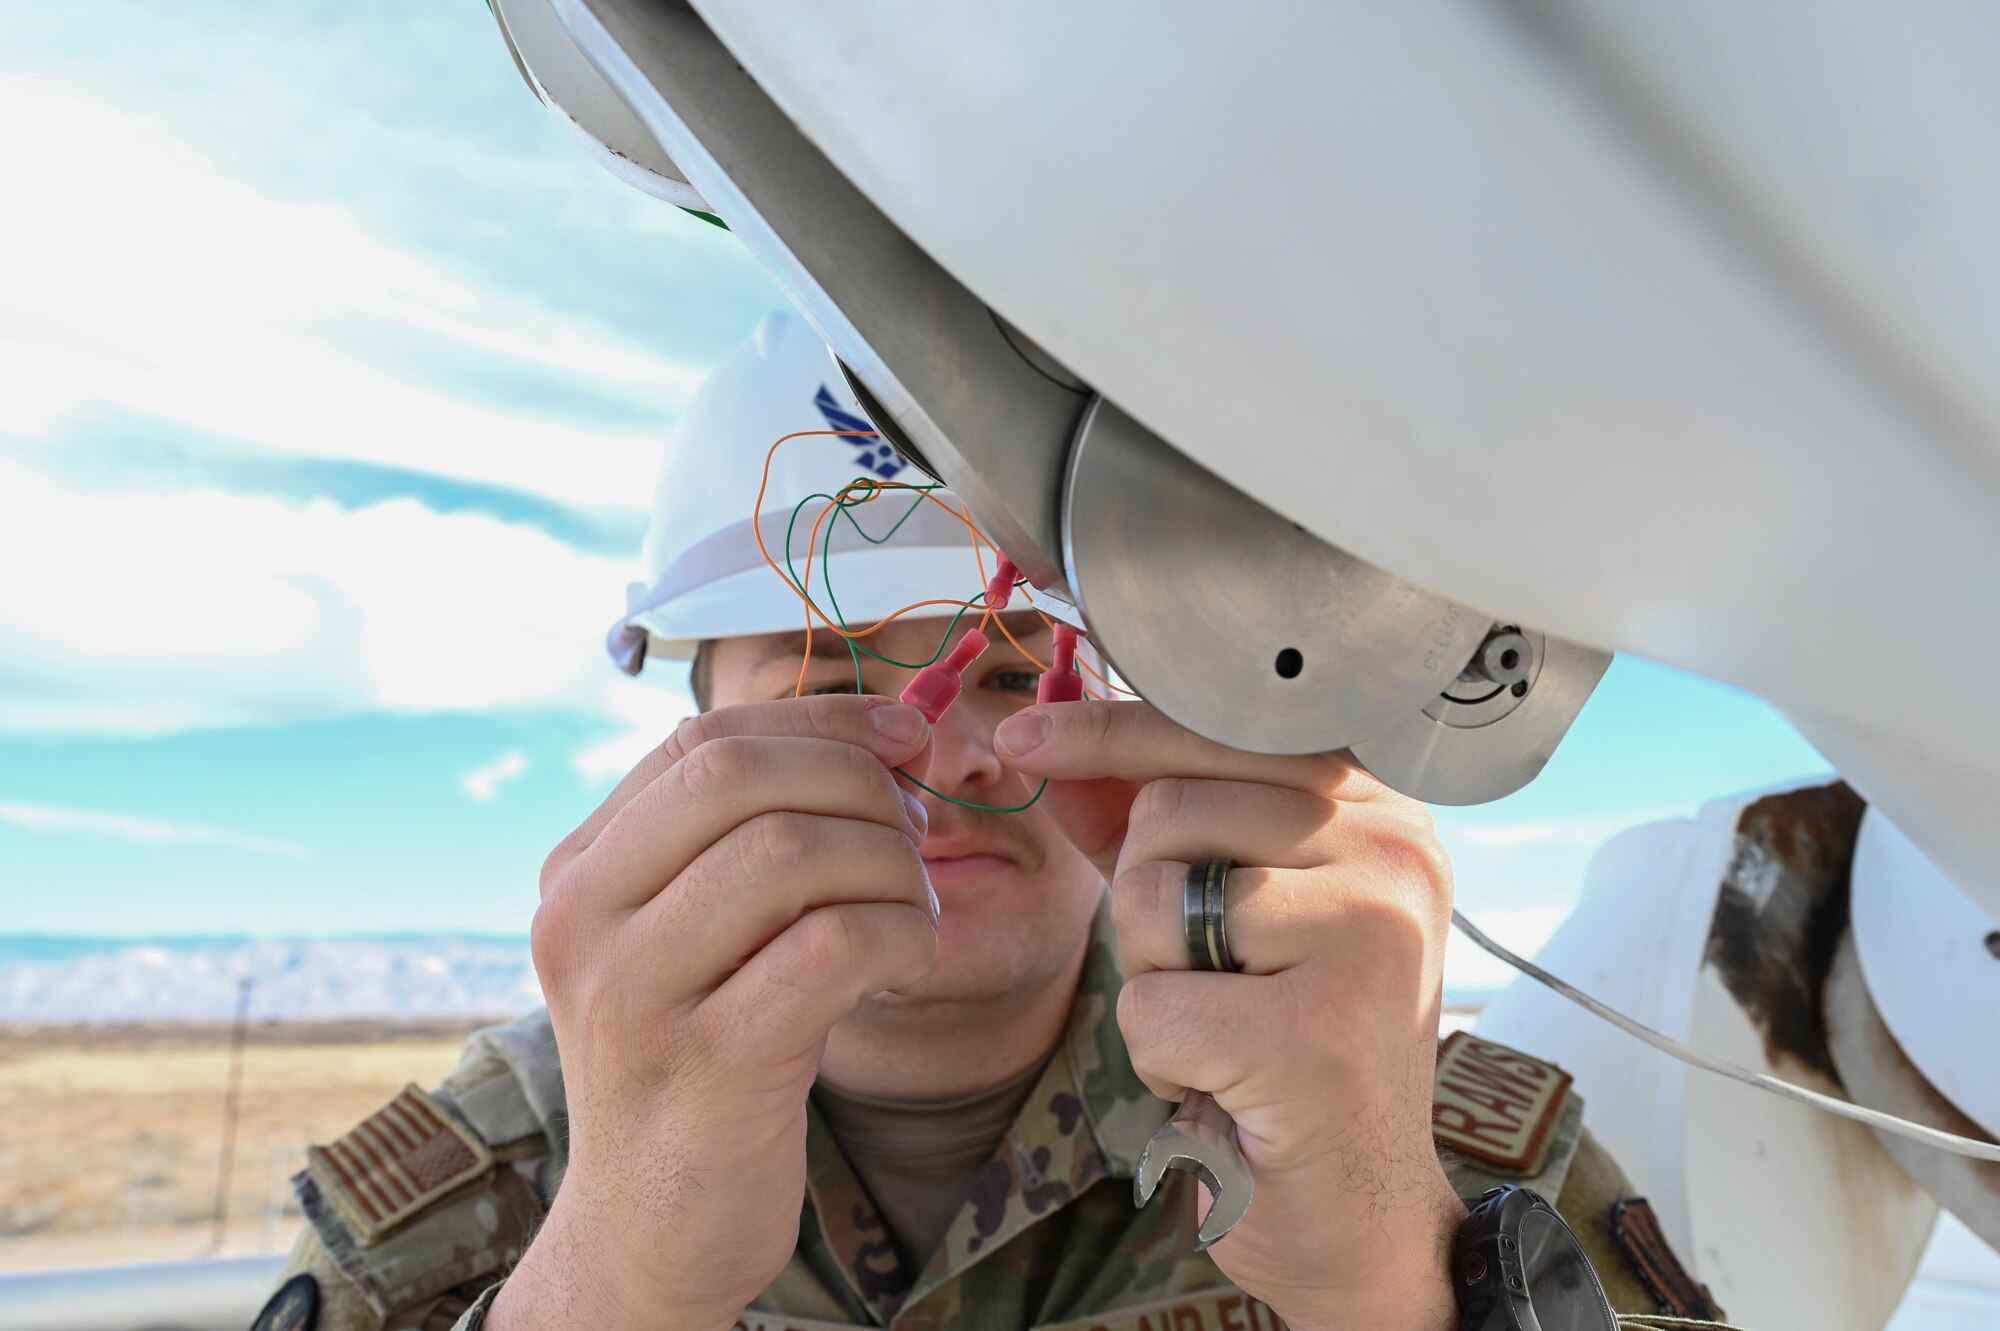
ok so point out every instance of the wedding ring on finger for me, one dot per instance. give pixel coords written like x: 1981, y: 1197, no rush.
x: 1204, y: 901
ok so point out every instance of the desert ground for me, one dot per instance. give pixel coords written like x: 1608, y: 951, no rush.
x: 111, y: 1136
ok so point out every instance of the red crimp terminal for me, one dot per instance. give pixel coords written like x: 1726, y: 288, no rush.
x: 1061, y: 682
x: 936, y: 686
x: 1001, y: 589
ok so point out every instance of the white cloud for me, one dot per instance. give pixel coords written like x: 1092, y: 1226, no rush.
x: 151, y: 831
x: 133, y: 273
x: 148, y: 613
x: 483, y: 783
x: 144, y: 279
x: 1570, y: 833
x: 1468, y: 966
x: 1518, y: 880
x: 647, y: 714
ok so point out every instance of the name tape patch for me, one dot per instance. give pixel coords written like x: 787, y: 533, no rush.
x: 1224, y: 1309
x: 398, y: 1160
x: 1495, y: 1104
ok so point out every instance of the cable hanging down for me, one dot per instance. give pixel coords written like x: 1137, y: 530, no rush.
x: 1763, y: 1081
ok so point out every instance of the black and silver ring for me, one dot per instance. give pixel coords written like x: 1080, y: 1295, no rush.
x: 1203, y: 900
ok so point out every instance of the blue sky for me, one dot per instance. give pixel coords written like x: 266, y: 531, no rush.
x: 334, y: 376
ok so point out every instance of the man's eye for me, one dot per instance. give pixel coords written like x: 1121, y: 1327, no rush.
x: 1015, y: 681
x: 818, y: 689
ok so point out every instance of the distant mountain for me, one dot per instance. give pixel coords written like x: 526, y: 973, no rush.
x: 195, y: 979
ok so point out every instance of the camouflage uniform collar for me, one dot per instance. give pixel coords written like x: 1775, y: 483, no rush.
x: 1086, y: 1120
x: 856, y: 1237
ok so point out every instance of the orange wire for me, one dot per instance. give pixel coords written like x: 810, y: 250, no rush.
x: 1085, y: 666
x: 1081, y: 664
x: 756, y: 530
x: 1018, y: 647
x: 875, y: 489
x: 805, y: 579
x: 879, y: 486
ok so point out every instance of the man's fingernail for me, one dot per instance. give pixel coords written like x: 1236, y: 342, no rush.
x: 920, y: 817
x: 1024, y: 733
x: 898, y: 722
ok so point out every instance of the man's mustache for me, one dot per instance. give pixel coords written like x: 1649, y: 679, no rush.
x: 1014, y: 834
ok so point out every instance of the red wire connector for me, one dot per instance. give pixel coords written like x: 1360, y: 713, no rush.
x: 1061, y: 682
x: 937, y: 685
x: 1001, y: 589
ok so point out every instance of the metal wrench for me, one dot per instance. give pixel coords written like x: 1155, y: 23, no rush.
x: 1200, y: 1139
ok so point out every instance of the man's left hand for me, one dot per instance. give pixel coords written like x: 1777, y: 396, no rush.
x: 1324, y: 1045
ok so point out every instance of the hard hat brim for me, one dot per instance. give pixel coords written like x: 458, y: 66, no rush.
x: 869, y: 585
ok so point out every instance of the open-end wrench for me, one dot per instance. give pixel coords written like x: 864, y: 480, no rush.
x: 1199, y: 1139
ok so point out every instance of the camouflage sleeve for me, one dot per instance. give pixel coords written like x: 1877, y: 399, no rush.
x: 341, y: 1307
x: 344, y: 1307
x: 421, y: 1208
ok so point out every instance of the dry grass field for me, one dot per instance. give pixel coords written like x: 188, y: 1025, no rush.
x: 111, y: 1136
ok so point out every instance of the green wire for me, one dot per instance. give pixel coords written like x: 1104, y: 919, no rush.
x: 968, y: 804
x: 948, y: 799
x: 826, y: 572
x: 855, y: 649
x: 827, y: 554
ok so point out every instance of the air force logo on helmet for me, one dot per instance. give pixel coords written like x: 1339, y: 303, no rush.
x: 704, y: 574
x: 874, y: 454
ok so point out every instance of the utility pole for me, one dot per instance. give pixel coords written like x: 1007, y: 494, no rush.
x: 230, y: 1105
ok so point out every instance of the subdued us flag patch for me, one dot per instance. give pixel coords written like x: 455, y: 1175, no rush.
x: 396, y: 1161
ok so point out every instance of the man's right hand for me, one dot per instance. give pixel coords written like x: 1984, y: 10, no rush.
x: 742, y: 890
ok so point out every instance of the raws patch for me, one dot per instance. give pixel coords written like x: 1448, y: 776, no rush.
x: 1494, y: 1104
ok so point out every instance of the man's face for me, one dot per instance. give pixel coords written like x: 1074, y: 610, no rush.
x: 1017, y: 898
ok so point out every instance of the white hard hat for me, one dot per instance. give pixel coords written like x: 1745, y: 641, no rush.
x: 705, y: 576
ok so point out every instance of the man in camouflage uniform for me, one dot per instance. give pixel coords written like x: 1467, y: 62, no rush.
x: 772, y: 962
x: 720, y: 1198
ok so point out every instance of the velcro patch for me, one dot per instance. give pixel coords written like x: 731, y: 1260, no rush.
x: 398, y: 1160
x: 1645, y: 1245
x: 1495, y: 1104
